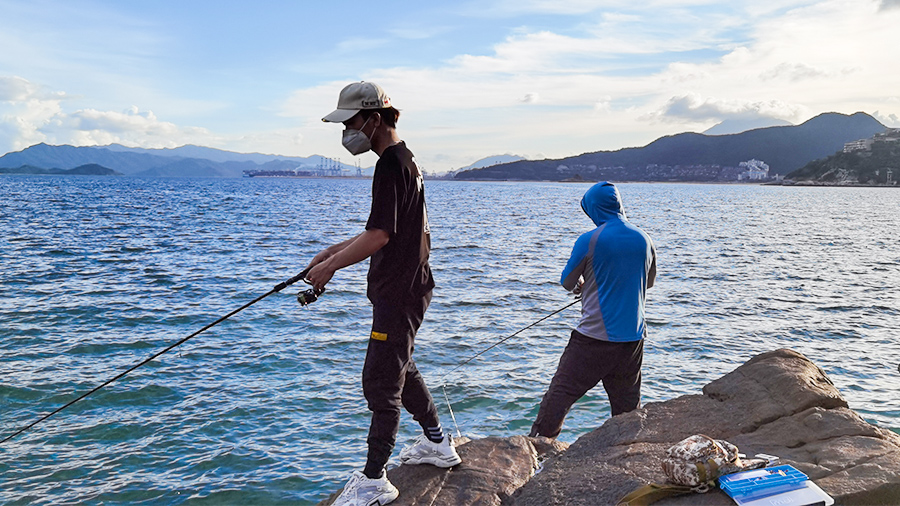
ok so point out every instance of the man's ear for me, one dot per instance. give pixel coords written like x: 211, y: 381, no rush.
x: 376, y: 119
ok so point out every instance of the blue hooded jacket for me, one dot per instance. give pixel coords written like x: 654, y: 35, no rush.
x: 616, y: 260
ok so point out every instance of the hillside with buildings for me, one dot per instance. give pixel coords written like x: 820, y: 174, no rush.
x: 693, y: 157
x: 873, y: 161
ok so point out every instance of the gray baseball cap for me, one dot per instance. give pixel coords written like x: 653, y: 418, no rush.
x: 356, y: 97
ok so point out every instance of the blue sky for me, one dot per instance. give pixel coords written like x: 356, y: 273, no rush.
x: 536, y: 78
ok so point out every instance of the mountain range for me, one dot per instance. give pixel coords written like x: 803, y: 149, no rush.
x: 699, y: 157
x: 681, y: 157
x: 185, y: 161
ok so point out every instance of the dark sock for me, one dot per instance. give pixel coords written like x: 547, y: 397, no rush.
x: 435, y: 434
x: 373, y: 474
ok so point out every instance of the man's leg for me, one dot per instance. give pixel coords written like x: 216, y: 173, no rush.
x: 418, y: 401
x: 579, y: 370
x: 416, y: 397
x: 433, y: 447
x: 623, y: 383
x: 384, y: 377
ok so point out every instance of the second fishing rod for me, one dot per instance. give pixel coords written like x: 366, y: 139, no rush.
x: 482, y: 352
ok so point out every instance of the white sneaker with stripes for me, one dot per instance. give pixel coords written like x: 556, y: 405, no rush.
x: 364, y: 491
x: 426, y: 451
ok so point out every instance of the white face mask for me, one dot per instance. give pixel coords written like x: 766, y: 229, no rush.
x: 356, y: 141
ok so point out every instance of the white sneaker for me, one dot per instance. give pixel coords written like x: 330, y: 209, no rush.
x: 425, y: 451
x: 364, y: 491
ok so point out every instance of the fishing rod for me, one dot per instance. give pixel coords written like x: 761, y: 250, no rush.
x: 304, y: 298
x: 498, y: 343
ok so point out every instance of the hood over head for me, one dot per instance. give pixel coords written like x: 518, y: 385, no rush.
x: 602, y: 202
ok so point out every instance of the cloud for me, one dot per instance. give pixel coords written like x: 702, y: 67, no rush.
x: 605, y: 73
x: 890, y: 120
x: 694, y: 108
x: 30, y: 114
x: 623, y: 77
x: 793, y: 72
x: 131, y: 120
x: 131, y: 127
x: 25, y: 110
x: 603, y: 104
x: 15, y: 89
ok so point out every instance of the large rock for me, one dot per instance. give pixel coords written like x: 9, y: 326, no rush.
x: 492, y: 469
x: 778, y: 403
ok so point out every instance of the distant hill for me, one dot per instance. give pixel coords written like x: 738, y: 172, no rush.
x: 699, y: 157
x: 491, y: 160
x: 91, y: 169
x: 186, y: 161
x: 737, y: 126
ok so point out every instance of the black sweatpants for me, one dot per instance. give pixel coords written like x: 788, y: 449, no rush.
x: 390, y: 378
x: 584, y: 363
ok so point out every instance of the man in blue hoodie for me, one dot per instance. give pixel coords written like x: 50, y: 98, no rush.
x: 612, y: 267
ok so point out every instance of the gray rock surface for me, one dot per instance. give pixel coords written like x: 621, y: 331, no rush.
x: 492, y: 469
x: 778, y: 403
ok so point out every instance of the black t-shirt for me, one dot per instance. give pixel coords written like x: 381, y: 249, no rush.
x: 399, y: 271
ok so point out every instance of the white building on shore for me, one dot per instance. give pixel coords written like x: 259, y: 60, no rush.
x: 754, y: 170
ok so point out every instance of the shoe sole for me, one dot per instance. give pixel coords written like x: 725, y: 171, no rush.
x: 381, y: 501
x: 434, y: 461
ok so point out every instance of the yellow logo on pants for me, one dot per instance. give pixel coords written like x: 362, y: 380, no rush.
x: 379, y: 336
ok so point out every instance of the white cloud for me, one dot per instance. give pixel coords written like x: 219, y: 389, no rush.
x: 603, y: 104
x: 130, y: 127
x: 891, y: 120
x: 25, y: 110
x: 694, y: 108
x: 29, y: 114
x: 598, y: 69
x: 790, y: 64
x: 793, y: 72
x: 15, y: 89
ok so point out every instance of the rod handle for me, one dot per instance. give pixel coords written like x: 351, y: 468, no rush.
x: 288, y: 282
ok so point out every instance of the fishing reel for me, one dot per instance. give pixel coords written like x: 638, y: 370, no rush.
x: 308, y: 296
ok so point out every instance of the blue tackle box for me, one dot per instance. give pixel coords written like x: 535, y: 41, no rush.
x: 749, y: 485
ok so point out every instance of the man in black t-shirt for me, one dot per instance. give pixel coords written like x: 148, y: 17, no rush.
x: 398, y: 241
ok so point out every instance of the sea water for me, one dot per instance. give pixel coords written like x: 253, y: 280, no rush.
x: 97, y: 274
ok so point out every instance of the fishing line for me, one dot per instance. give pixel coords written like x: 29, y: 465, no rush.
x: 279, y: 287
x: 498, y: 343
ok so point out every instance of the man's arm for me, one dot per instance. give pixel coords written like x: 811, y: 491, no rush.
x: 571, y: 275
x: 329, y: 251
x: 651, y: 276
x: 346, y: 253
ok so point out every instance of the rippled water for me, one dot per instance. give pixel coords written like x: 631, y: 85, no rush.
x: 99, y: 273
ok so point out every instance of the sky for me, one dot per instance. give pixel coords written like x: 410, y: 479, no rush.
x: 533, y: 78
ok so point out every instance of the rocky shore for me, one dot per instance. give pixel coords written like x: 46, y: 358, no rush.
x: 779, y: 403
